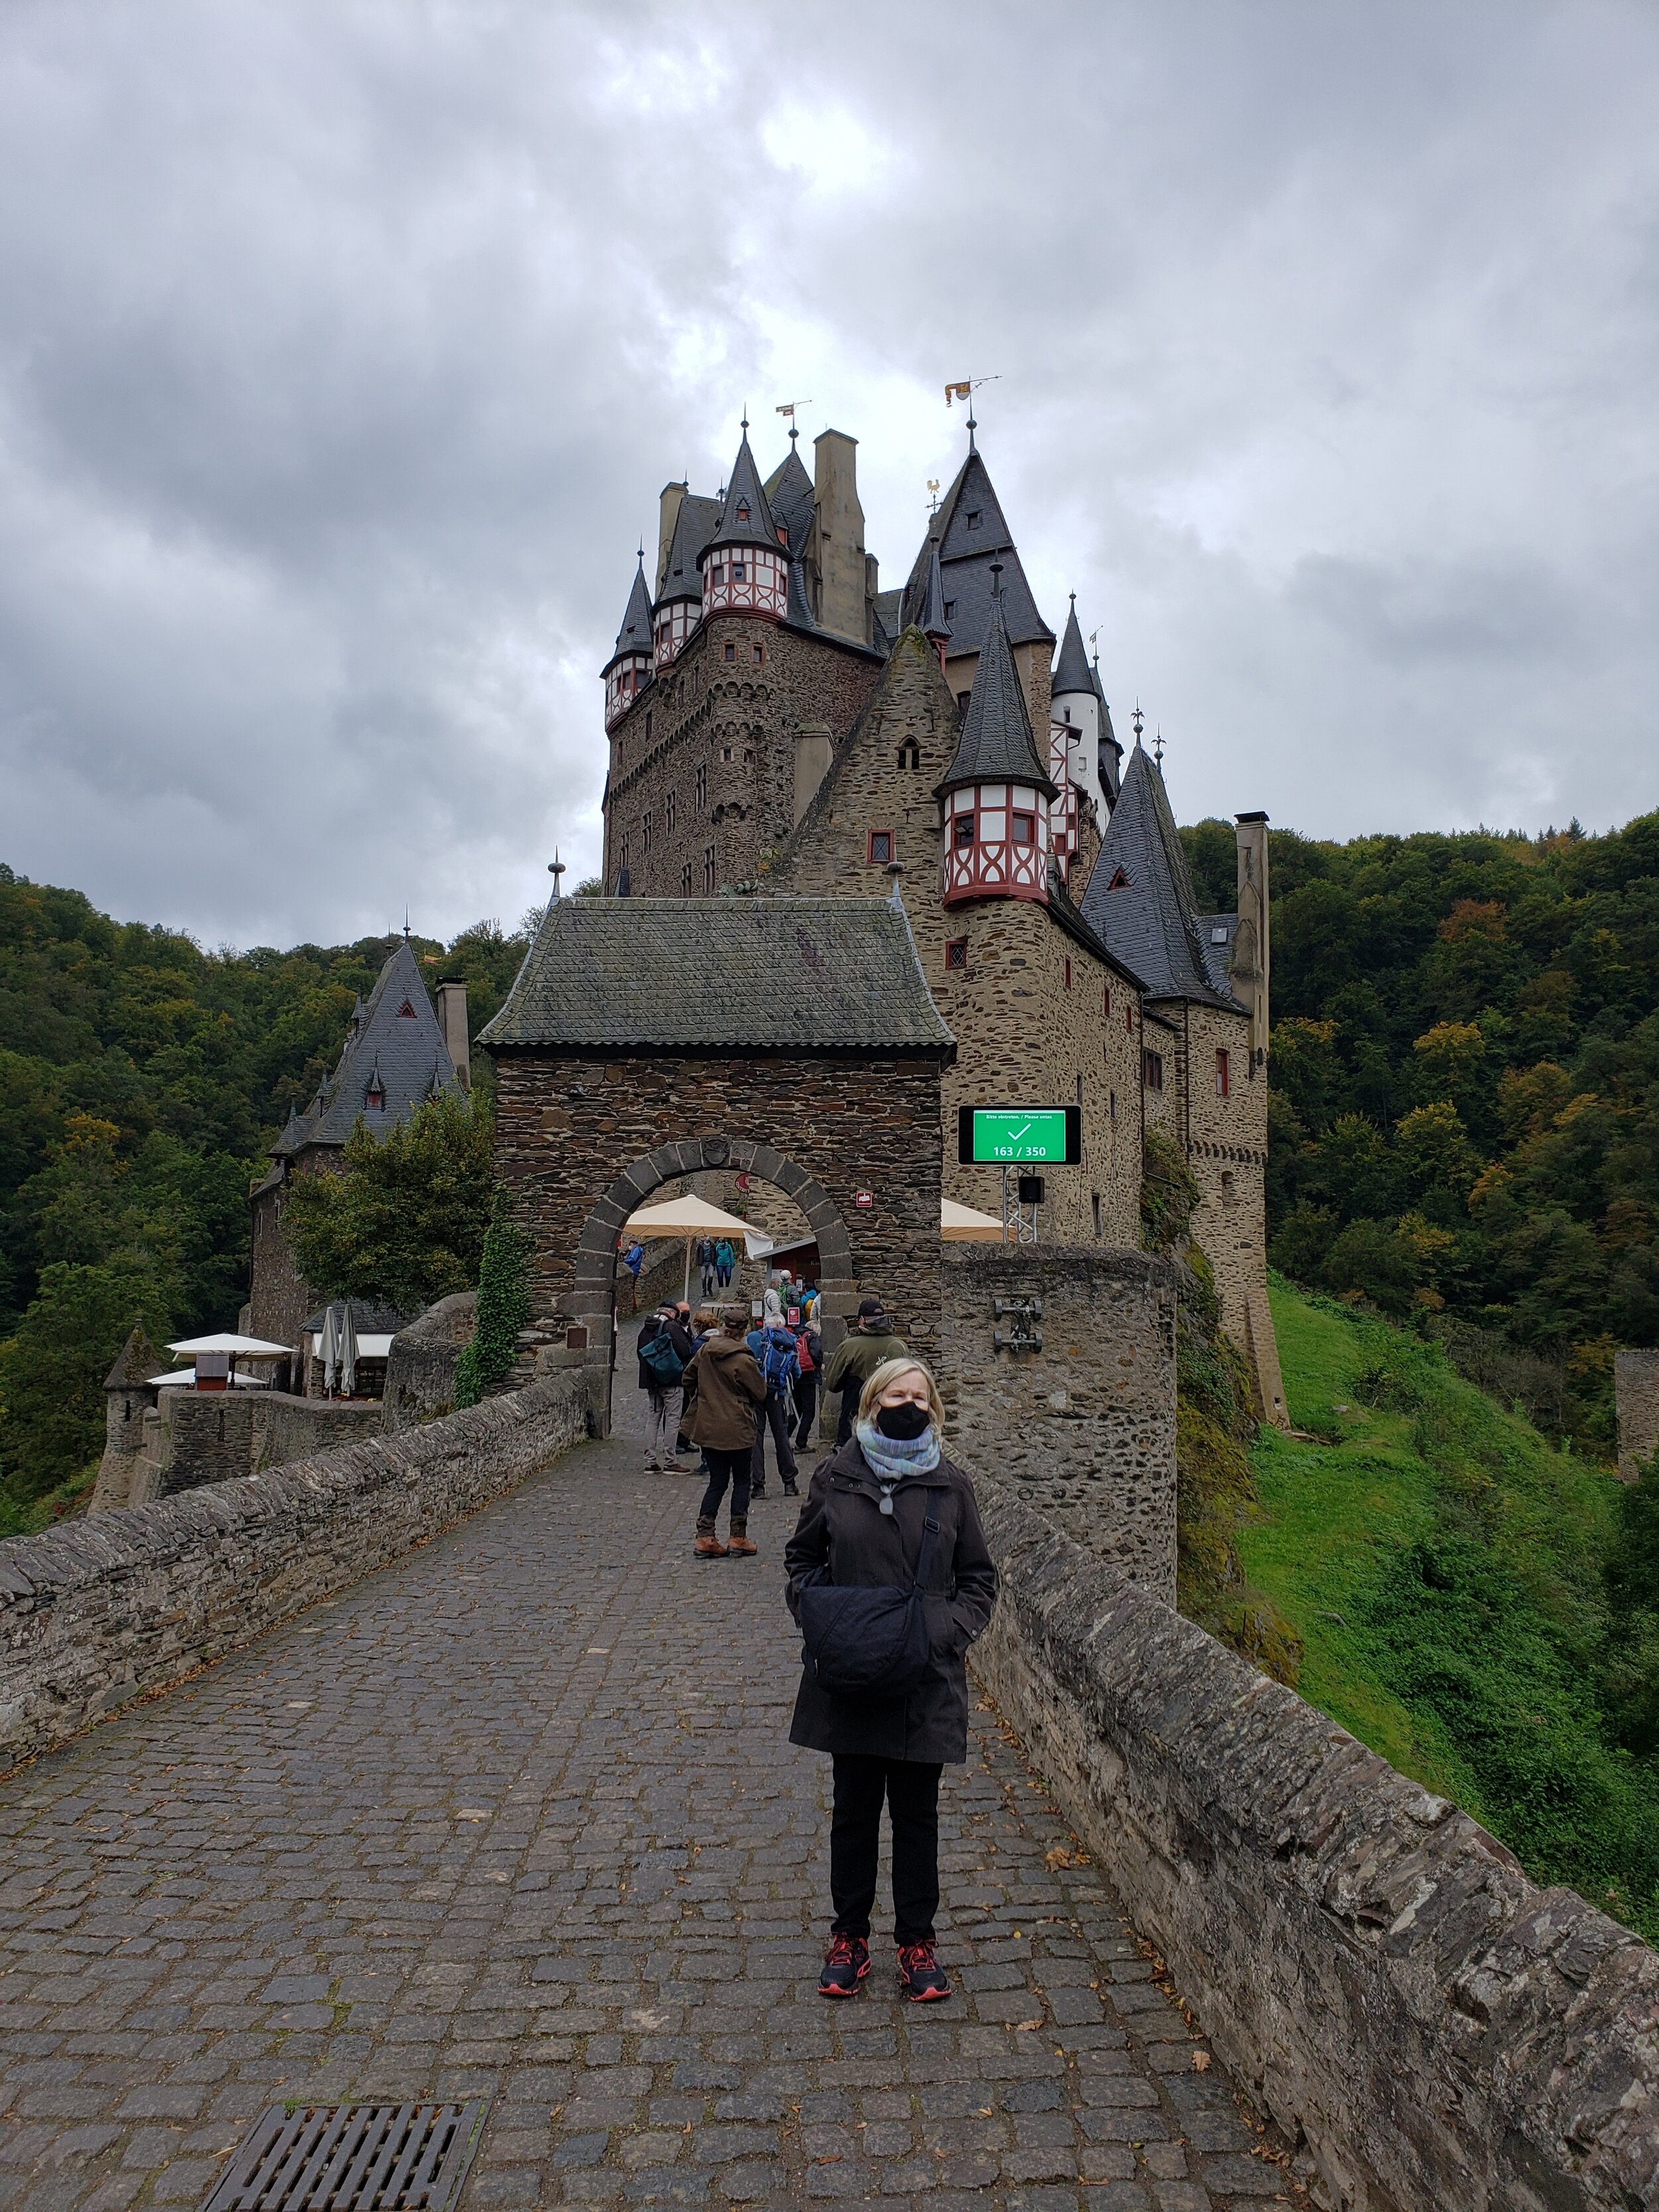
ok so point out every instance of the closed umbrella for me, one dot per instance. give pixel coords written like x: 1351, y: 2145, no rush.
x: 348, y: 1350
x: 328, y: 1350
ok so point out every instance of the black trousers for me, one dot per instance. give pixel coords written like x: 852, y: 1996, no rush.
x: 773, y: 1413
x: 725, y: 1466
x: 911, y: 1789
x: 807, y: 1406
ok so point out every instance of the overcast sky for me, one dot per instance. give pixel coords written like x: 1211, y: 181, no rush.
x: 345, y: 346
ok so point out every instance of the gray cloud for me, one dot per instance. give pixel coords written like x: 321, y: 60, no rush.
x: 345, y: 346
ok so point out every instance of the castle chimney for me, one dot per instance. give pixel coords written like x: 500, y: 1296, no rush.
x: 1253, y: 947
x: 814, y: 749
x: 452, y: 1020
x: 673, y: 496
x: 836, y: 544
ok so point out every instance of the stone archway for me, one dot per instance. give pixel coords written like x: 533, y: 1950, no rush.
x: 593, y: 1297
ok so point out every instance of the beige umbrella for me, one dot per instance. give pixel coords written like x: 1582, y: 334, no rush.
x: 692, y: 1218
x: 961, y: 1224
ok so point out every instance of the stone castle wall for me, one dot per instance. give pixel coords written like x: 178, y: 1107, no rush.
x: 1635, y: 1390
x: 1374, y: 1967
x: 697, y: 711
x: 1226, y: 1143
x: 568, y: 1125
x: 100, y: 1612
x: 1083, y: 1428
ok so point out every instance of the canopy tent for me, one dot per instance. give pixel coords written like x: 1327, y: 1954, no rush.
x: 692, y: 1218
x: 961, y: 1224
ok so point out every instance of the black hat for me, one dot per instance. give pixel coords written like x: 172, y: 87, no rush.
x: 871, y: 1308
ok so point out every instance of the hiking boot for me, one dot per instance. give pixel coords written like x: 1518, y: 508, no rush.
x: 707, y: 1545
x: 921, y: 1976
x: 675, y: 1466
x: 756, y: 1490
x: 736, y: 1541
x: 845, y: 1963
x: 792, y: 1490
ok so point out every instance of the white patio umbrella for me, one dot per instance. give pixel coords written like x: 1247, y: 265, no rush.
x: 963, y: 1224
x: 348, y: 1350
x: 692, y: 1218
x: 328, y: 1347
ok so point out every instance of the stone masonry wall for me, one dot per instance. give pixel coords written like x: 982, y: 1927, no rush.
x: 1227, y: 1151
x: 1084, y: 1429
x: 98, y: 1613
x: 1636, y: 1391
x: 1443, y: 2035
x: 689, y: 718
x: 566, y: 1125
x: 1023, y: 1032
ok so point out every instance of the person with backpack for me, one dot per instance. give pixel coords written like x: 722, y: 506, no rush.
x: 890, y: 1581
x: 774, y: 1348
x: 727, y: 1386
x: 726, y: 1260
x: 664, y: 1351
x: 856, y: 1358
x: 809, y: 1355
x: 706, y: 1265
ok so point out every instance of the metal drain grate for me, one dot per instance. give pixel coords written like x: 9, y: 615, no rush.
x: 353, y: 2158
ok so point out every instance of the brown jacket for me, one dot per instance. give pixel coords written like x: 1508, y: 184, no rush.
x: 728, y: 1388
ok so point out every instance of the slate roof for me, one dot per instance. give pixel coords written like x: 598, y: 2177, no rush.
x: 1152, y: 923
x: 965, y: 557
x: 789, y: 495
x: 930, y: 619
x: 695, y: 525
x: 406, y: 1048
x: 995, y: 745
x: 634, y: 636
x: 1072, y: 670
x: 744, y: 492
x: 707, y: 974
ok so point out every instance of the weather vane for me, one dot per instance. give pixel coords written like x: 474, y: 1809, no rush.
x: 1157, y: 748
x: 1137, y: 721
x: 932, y: 486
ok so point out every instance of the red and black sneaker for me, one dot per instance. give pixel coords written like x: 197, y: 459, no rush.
x: 845, y: 1963
x: 921, y: 1976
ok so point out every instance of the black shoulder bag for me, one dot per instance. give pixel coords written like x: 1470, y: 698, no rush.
x: 864, y: 1641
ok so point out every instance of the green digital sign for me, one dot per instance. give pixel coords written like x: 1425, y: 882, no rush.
x: 1019, y: 1136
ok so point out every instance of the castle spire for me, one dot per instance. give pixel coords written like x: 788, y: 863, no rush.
x: 628, y: 669
x: 745, y: 564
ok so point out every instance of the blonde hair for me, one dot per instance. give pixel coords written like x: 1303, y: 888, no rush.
x: 889, y: 1372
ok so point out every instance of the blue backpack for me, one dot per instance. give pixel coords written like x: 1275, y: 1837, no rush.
x: 774, y: 1350
x: 660, y: 1356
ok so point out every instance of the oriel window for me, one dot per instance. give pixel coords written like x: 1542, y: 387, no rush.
x: 963, y: 832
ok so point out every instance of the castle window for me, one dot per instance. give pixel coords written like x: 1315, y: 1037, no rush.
x: 624, y: 853
x: 783, y: 535
x: 644, y: 833
x: 1080, y: 1090
x: 1228, y: 1195
x: 708, y: 869
x: 1152, y: 1069
x: 749, y: 755
x: 717, y: 575
x: 881, y: 847
x: 964, y: 831
x: 1095, y: 1200
x: 956, y: 953
x: 1024, y: 829
x: 702, y: 788
x: 405, y: 1013
x: 725, y: 752
x: 743, y: 510
x: 1106, y: 1006
x: 1112, y: 1107
x: 975, y: 518
x: 950, y: 609
x: 759, y: 656
x: 909, y: 755
x: 1068, y: 976
x: 1224, y: 1081
x: 647, y: 725
x: 375, y: 1098
x: 685, y: 880
x: 731, y: 652
x: 738, y: 572
x: 670, y: 808
x: 1120, y: 881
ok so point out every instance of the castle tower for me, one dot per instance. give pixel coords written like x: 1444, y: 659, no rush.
x: 745, y: 564
x: 996, y: 793
x: 629, y: 667
x: 687, y: 522
x: 1079, y: 712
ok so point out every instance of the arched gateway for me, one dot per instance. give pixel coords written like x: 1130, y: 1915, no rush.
x: 794, y: 1040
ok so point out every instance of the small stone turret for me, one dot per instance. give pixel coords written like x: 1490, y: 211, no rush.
x: 128, y: 1395
x: 745, y: 564
x: 629, y: 667
x: 996, y: 793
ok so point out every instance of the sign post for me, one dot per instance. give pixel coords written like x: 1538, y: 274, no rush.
x: 1018, y: 1138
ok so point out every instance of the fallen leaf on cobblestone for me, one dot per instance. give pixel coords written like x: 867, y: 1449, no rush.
x: 1201, y: 2062
x: 830, y: 2158
x: 1024, y: 2024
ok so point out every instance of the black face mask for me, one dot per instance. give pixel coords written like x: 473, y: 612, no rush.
x: 905, y: 1422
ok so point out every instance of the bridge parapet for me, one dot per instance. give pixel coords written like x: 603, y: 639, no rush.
x: 1376, y: 1969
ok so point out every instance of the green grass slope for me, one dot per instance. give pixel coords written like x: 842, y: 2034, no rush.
x: 1444, y: 1567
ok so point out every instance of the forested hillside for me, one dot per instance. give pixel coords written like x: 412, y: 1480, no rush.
x: 1465, y: 1092
x: 141, y: 1081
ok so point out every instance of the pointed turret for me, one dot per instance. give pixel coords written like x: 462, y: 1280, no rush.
x: 968, y: 533
x: 931, y: 621
x: 745, y: 564
x: 1072, y: 669
x: 1140, y: 902
x: 628, y: 669
x: 678, y: 608
x: 1081, y: 728
x: 996, y: 791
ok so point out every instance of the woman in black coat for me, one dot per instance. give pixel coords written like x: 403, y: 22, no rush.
x: 863, y: 1524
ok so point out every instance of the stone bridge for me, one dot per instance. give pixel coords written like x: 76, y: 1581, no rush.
x: 515, y: 1818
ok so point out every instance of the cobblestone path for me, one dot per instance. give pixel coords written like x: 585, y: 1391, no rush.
x: 518, y: 1816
